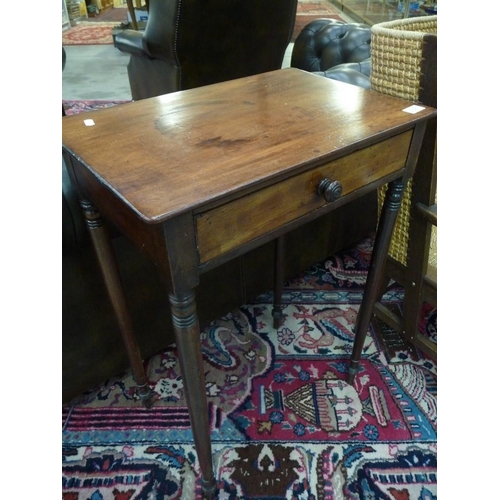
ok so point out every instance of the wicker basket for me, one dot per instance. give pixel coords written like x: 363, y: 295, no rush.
x: 396, y: 52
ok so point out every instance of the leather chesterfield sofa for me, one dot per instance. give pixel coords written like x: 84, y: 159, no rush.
x: 336, y: 50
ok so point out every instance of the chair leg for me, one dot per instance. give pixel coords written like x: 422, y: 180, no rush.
x: 384, y: 285
x: 279, y: 278
x: 423, y: 195
x: 412, y: 307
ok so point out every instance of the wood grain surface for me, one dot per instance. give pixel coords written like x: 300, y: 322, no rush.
x: 177, y: 152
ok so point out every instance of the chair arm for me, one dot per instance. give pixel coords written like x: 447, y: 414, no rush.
x: 132, y: 42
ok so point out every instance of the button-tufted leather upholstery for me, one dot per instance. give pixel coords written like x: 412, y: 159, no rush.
x: 355, y: 73
x: 190, y: 43
x: 336, y: 50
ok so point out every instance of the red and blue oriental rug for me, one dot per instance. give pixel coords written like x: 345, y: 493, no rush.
x: 285, y: 424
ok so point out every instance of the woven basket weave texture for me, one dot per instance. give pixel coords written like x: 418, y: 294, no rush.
x: 396, y: 50
x: 396, y: 53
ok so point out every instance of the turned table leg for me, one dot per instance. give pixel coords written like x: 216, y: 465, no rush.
x: 107, y: 262
x: 279, y: 278
x: 187, y: 335
x: 390, y: 210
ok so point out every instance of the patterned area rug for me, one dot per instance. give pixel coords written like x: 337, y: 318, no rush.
x: 285, y: 424
x: 89, y: 33
x: 75, y: 107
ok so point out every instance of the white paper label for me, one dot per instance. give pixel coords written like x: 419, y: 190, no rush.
x: 89, y: 122
x: 414, y: 109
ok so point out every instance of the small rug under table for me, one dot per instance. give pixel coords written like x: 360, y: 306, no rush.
x: 89, y: 33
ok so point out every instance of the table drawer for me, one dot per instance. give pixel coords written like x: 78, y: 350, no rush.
x: 236, y: 223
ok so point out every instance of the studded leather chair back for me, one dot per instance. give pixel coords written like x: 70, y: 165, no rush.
x: 191, y: 43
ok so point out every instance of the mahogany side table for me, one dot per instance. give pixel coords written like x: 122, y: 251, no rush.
x: 197, y: 177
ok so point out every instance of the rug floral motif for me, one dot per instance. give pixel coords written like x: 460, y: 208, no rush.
x: 284, y: 422
x: 75, y: 107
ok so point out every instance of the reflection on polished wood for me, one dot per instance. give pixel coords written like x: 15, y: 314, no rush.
x: 195, y: 178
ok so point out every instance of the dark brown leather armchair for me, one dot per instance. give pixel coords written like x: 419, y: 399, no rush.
x: 191, y: 43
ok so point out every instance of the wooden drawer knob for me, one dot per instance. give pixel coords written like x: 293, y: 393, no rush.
x: 330, y: 190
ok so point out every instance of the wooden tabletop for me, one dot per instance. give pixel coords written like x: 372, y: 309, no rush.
x: 173, y: 153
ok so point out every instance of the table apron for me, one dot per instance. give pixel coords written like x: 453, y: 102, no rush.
x: 196, y: 241
x: 227, y: 227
